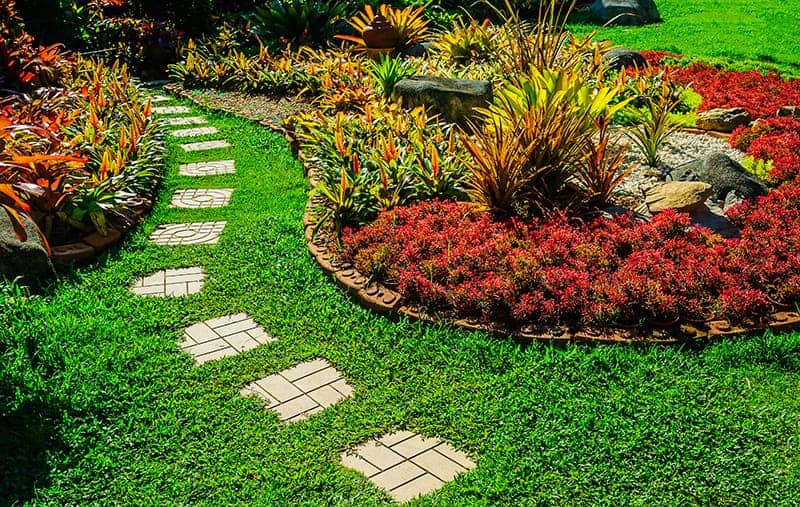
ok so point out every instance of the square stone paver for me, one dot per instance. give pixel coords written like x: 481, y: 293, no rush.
x: 170, y: 283
x: 194, y: 132
x: 196, y: 198
x: 206, y: 145
x: 223, y: 337
x: 193, y: 233
x: 213, y: 168
x: 171, y: 110
x: 181, y: 121
x: 301, y: 391
x: 407, y: 465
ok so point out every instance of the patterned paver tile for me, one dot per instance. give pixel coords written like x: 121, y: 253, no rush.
x: 157, y: 99
x: 193, y: 233
x: 171, y: 110
x: 213, y: 168
x: 407, y: 465
x: 223, y: 337
x: 194, y: 132
x: 170, y: 283
x: 181, y: 121
x: 301, y: 391
x: 206, y: 145
x: 196, y: 198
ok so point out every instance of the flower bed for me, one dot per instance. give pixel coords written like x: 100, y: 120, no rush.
x: 81, y: 158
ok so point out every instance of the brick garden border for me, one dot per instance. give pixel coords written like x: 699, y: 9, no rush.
x: 384, y: 300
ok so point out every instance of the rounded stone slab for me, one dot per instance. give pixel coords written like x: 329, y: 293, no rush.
x: 212, y: 168
x: 184, y: 120
x: 170, y: 283
x: 194, y: 132
x: 171, y: 110
x: 206, y: 145
x: 193, y: 233
x: 201, y: 198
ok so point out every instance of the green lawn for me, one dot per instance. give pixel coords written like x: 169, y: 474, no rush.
x: 757, y: 33
x: 114, y: 413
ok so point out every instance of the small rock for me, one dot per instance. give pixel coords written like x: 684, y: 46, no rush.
x: 417, y: 50
x: 723, y: 120
x: 453, y: 99
x: 683, y: 196
x: 27, y: 259
x: 618, y: 58
x: 626, y: 12
x: 723, y: 174
x: 789, y: 111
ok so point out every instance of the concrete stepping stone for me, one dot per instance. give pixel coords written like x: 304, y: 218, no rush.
x: 301, y: 391
x: 194, y: 132
x: 206, y: 145
x: 157, y: 99
x: 171, y: 110
x: 223, y: 337
x: 170, y: 283
x: 192, y: 233
x: 407, y: 465
x: 213, y: 168
x: 196, y: 198
x: 180, y: 121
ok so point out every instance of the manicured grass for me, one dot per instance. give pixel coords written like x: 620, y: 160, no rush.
x: 761, y: 34
x: 121, y: 416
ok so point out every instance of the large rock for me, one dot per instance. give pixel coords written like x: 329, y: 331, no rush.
x: 626, y: 12
x: 724, y: 174
x: 618, y: 58
x: 789, y: 112
x: 453, y: 99
x: 683, y: 196
x: 27, y: 259
x: 723, y: 120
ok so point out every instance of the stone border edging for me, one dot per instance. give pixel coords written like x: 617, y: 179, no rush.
x: 384, y: 300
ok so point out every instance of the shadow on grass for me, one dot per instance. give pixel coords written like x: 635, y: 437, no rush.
x: 29, y: 434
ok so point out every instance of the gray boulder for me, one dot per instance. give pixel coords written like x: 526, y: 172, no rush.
x: 618, y: 58
x: 453, y: 99
x: 626, y: 12
x: 724, y: 174
x: 723, y: 120
x: 27, y: 259
x: 789, y: 111
x: 417, y: 50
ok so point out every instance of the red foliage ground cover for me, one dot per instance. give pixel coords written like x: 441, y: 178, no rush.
x: 449, y: 258
x: 776, y: 139
x: 760, y: 94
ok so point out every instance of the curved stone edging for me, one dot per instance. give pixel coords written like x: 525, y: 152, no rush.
x: 382, y: 299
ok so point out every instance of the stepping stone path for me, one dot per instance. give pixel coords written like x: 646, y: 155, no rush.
x: 185, y: 120
x: 223, y: 337
x: 193, y: 233
x: 403, y: 463
x: 156, y: 99
x: 170, y: 283
x: 214, y: 168
x: 407, y: 465
x: 171, y: 110
x: 301, y: 391
x: 202, y: 198
x: 206, y: 145
x: 195, y: 132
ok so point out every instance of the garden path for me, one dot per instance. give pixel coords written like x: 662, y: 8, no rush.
x: 405, y: 464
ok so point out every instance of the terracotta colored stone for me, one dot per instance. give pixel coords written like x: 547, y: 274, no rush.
x: 100, y: 243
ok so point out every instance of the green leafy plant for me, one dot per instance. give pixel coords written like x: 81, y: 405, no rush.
x: 758, y: 167
x: 654, y: 122
x: 301, y: 22
x: 389, y: 71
